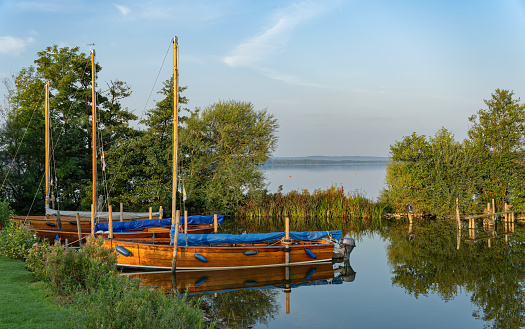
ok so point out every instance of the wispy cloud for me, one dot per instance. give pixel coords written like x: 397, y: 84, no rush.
x: 123, y: 9
x: 276, y: 37
x: 290, y: 79
x: 13, y: 46
x: 252, y: 52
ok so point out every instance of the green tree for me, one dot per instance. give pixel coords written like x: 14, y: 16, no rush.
x: 408, y: 173
x: 223, y: 147
x: 22, y: 134
x: 140, y: 170
x: 430, y: 173
x: 497, y: 133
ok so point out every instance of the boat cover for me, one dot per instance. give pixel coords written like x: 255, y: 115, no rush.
x: 137, y: 225
x: 211, y: 239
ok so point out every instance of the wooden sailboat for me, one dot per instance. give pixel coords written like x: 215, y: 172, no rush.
x: 64, y: 225
x: 198, y: 252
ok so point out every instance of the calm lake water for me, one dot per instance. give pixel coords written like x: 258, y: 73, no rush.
x: 362, y: 178
x: 428, y: 275
x: 399, y: 277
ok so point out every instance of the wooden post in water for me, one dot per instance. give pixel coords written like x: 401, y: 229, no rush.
x: 110, y: 222
x: 494, y: 212
x: 175, y: 241
x: 92, y: 220
x: 457, y: 213
x: 160, y: 212
x: 121, y: 212
x: 150, y: 213
x: 79, y: 230
x: 215, y: 223
x: 287, y: 241
x: 185, y: 222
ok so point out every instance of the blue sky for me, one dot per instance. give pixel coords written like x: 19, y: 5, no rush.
x: 341, y: 77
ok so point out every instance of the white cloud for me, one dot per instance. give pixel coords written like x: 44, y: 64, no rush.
x: 123, y: 10
x: 276, y: 37
x: 13, y: 46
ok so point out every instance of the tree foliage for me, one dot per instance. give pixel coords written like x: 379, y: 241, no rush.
x: 223, y: 147
x: 431, y: 173
x: 498, y: 135
x: 22, y: 134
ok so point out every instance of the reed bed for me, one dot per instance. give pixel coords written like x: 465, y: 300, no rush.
x: 322, y: 209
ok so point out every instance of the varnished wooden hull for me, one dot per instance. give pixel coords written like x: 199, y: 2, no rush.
x: 157, y: 256
x: 150, y: 236
x: 192, y: 282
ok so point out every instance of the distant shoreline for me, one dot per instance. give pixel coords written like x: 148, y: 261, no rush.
x: 327, y: 161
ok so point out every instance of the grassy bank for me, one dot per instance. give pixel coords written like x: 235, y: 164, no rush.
x: 23, y: 303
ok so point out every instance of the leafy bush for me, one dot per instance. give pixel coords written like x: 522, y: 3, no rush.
x: 6, y: 214
x: 119, y: 302
x: 36, y: 259
x: 70, y: 270
x: 15, y: 241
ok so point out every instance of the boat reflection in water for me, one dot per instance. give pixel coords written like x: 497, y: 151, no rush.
x: 216, y: 281
x: 248, y: 297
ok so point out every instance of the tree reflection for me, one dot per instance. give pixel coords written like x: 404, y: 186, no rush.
x: 244, y: 308
x: 432, y: 263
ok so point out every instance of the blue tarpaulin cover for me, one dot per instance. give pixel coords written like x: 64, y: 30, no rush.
x: 210, y: 239
x: 137, y: 225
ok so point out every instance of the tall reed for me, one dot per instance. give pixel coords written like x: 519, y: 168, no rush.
x: 322, y: 209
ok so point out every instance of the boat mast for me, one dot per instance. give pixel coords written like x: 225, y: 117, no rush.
x: 47, y: 143
x: 175, y: 123
x: 93, y: 130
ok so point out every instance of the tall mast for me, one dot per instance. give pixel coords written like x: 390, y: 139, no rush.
x: 93, y: 129
x: 47, y: 142
x: 175, y: 123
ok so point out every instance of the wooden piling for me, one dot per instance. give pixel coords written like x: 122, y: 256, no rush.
x: 493, y: 211
x: 287, y: 241
x: 457, y: 213
x: 92, y: 220
x: 160, y: 212
x: 215, y: 223
x: 150, y: 213
x: 121, y: 212
x: 79, y: 230
x: 110, y: 222
x: 185, y: 222
x: 175, y: 241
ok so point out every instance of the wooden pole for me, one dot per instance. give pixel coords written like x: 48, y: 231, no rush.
x: 215, y: 223
x: 457, y: 213
x: 494, y: 211
x: 92, y: 220
x: 160, y: 212
x: 150, y: 213
x: 110, y: 222
x: 185, y: 222
x: 121, y: 212
x: 79, y: 230
x: 175, y: 126
x: 175, y: 242
x: 93, y: 130
x: 47, y: 143
x: 287, y: 241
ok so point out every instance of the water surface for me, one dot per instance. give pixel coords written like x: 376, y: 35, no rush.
x: 428, y: 275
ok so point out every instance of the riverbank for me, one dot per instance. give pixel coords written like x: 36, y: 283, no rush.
x: 24, y: 303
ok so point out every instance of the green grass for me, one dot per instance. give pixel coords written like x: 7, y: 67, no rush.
x: 23, y: 303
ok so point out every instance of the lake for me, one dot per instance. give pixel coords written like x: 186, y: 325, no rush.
x: 428, y: 275
x: 366, y: 179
